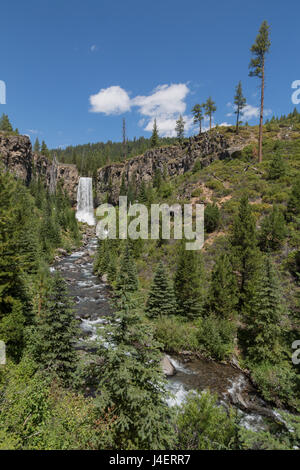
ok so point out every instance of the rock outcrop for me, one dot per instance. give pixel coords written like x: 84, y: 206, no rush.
x: 17, y: 156
x: 173, y: 160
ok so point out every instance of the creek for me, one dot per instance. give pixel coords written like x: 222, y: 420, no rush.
x: 92, y: 309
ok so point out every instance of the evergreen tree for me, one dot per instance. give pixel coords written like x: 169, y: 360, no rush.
x: 5, y: 124
x: 56, y: 332
x: 293, y: 205
x: 36, y: 147
x: 157, y: 180
x: 124, y: 142
x: 155, y: 136
x: 210, y: 108
x: 211, y: 217
x: 223, y: 296
x: 244, y: 248
x: 198, y: 115
x: 273, y: 231
x: 127, y: 279
x: 161, y: 300
x: 123, y: 188
x: 188, y: 283
x: 142, y: 195
x: 277, y: 167
x: 15, y: 308
x: 180, y: 128
x: 263, y: 319
x: 240, y: 103
x: 132, y: 384
x: 257, y: 69
x: 44, y: 149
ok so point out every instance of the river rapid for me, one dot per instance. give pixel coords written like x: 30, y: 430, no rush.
x: 92, y: 309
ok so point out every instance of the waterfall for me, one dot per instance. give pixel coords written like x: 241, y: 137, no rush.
x: 85, y: 206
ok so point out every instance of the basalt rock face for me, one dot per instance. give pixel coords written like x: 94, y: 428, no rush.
x: 52, y: 172
x: 17, y: 156
x: 174, y: 160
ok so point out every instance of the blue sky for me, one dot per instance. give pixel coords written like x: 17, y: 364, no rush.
x: 74, y: 69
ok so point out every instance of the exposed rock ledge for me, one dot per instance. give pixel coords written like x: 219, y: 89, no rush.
x: 173, y: 160
x: 17, y: 156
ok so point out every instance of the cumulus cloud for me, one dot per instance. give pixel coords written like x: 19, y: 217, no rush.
x: 166, y: 125
x: 93, y: 48
x: 112, y: 100
x: 165, y: 103
x: 165, y: 100
x: 249, y: 112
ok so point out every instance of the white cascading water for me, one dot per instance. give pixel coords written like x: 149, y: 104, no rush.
x: 85, y: 206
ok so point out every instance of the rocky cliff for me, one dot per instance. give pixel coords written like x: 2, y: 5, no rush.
x: 17, y: 156
x: 174, y: 160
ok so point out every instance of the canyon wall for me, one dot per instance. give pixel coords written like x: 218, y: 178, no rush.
x: 17, y: 156
x: 173, y: 160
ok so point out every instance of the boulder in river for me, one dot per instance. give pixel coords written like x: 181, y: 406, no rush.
x: 167, y: 367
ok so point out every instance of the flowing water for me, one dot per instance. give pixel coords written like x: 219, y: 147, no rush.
x: 85, y: 206
x: 92, y: 309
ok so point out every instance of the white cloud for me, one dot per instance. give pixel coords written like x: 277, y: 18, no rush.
x: 166, y: 125
x: 33, y: 131
x: 166, y: 100
x: 250, y: 112
x: 93, y: 48
x: 112, y: 100
x: 165, y: 103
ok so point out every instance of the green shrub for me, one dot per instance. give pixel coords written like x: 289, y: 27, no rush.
x: 203, y: 425
x: 278, y: 383
x: 175, y: 334
x: 216, y: 336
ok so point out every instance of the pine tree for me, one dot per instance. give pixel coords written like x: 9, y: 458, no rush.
x: 188, y: 283
x: 293, y: 205
x: 277, y: 167
x: 5, y: 124
x: 142, y: 195
x: 240, y: 103
x: 244, y: 247
x: 210, y: 108
x: 161, y: 300
x: 180, y: 128
x: 157, y: 180
x: 211, y: 217
x: 123, y: 188
x: 223, y: 296
x: 44, y: 149
x: 154, y: 137
x: 131, y: 382
x: 257, y: 69
x: 198, y: 115
x: 36, y: 146
x: 15, y: 308
x: 273, y: 231
x: 56, y: 332
x: 124, y: 142
x: 263, y: 330
x: 127, y: 279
